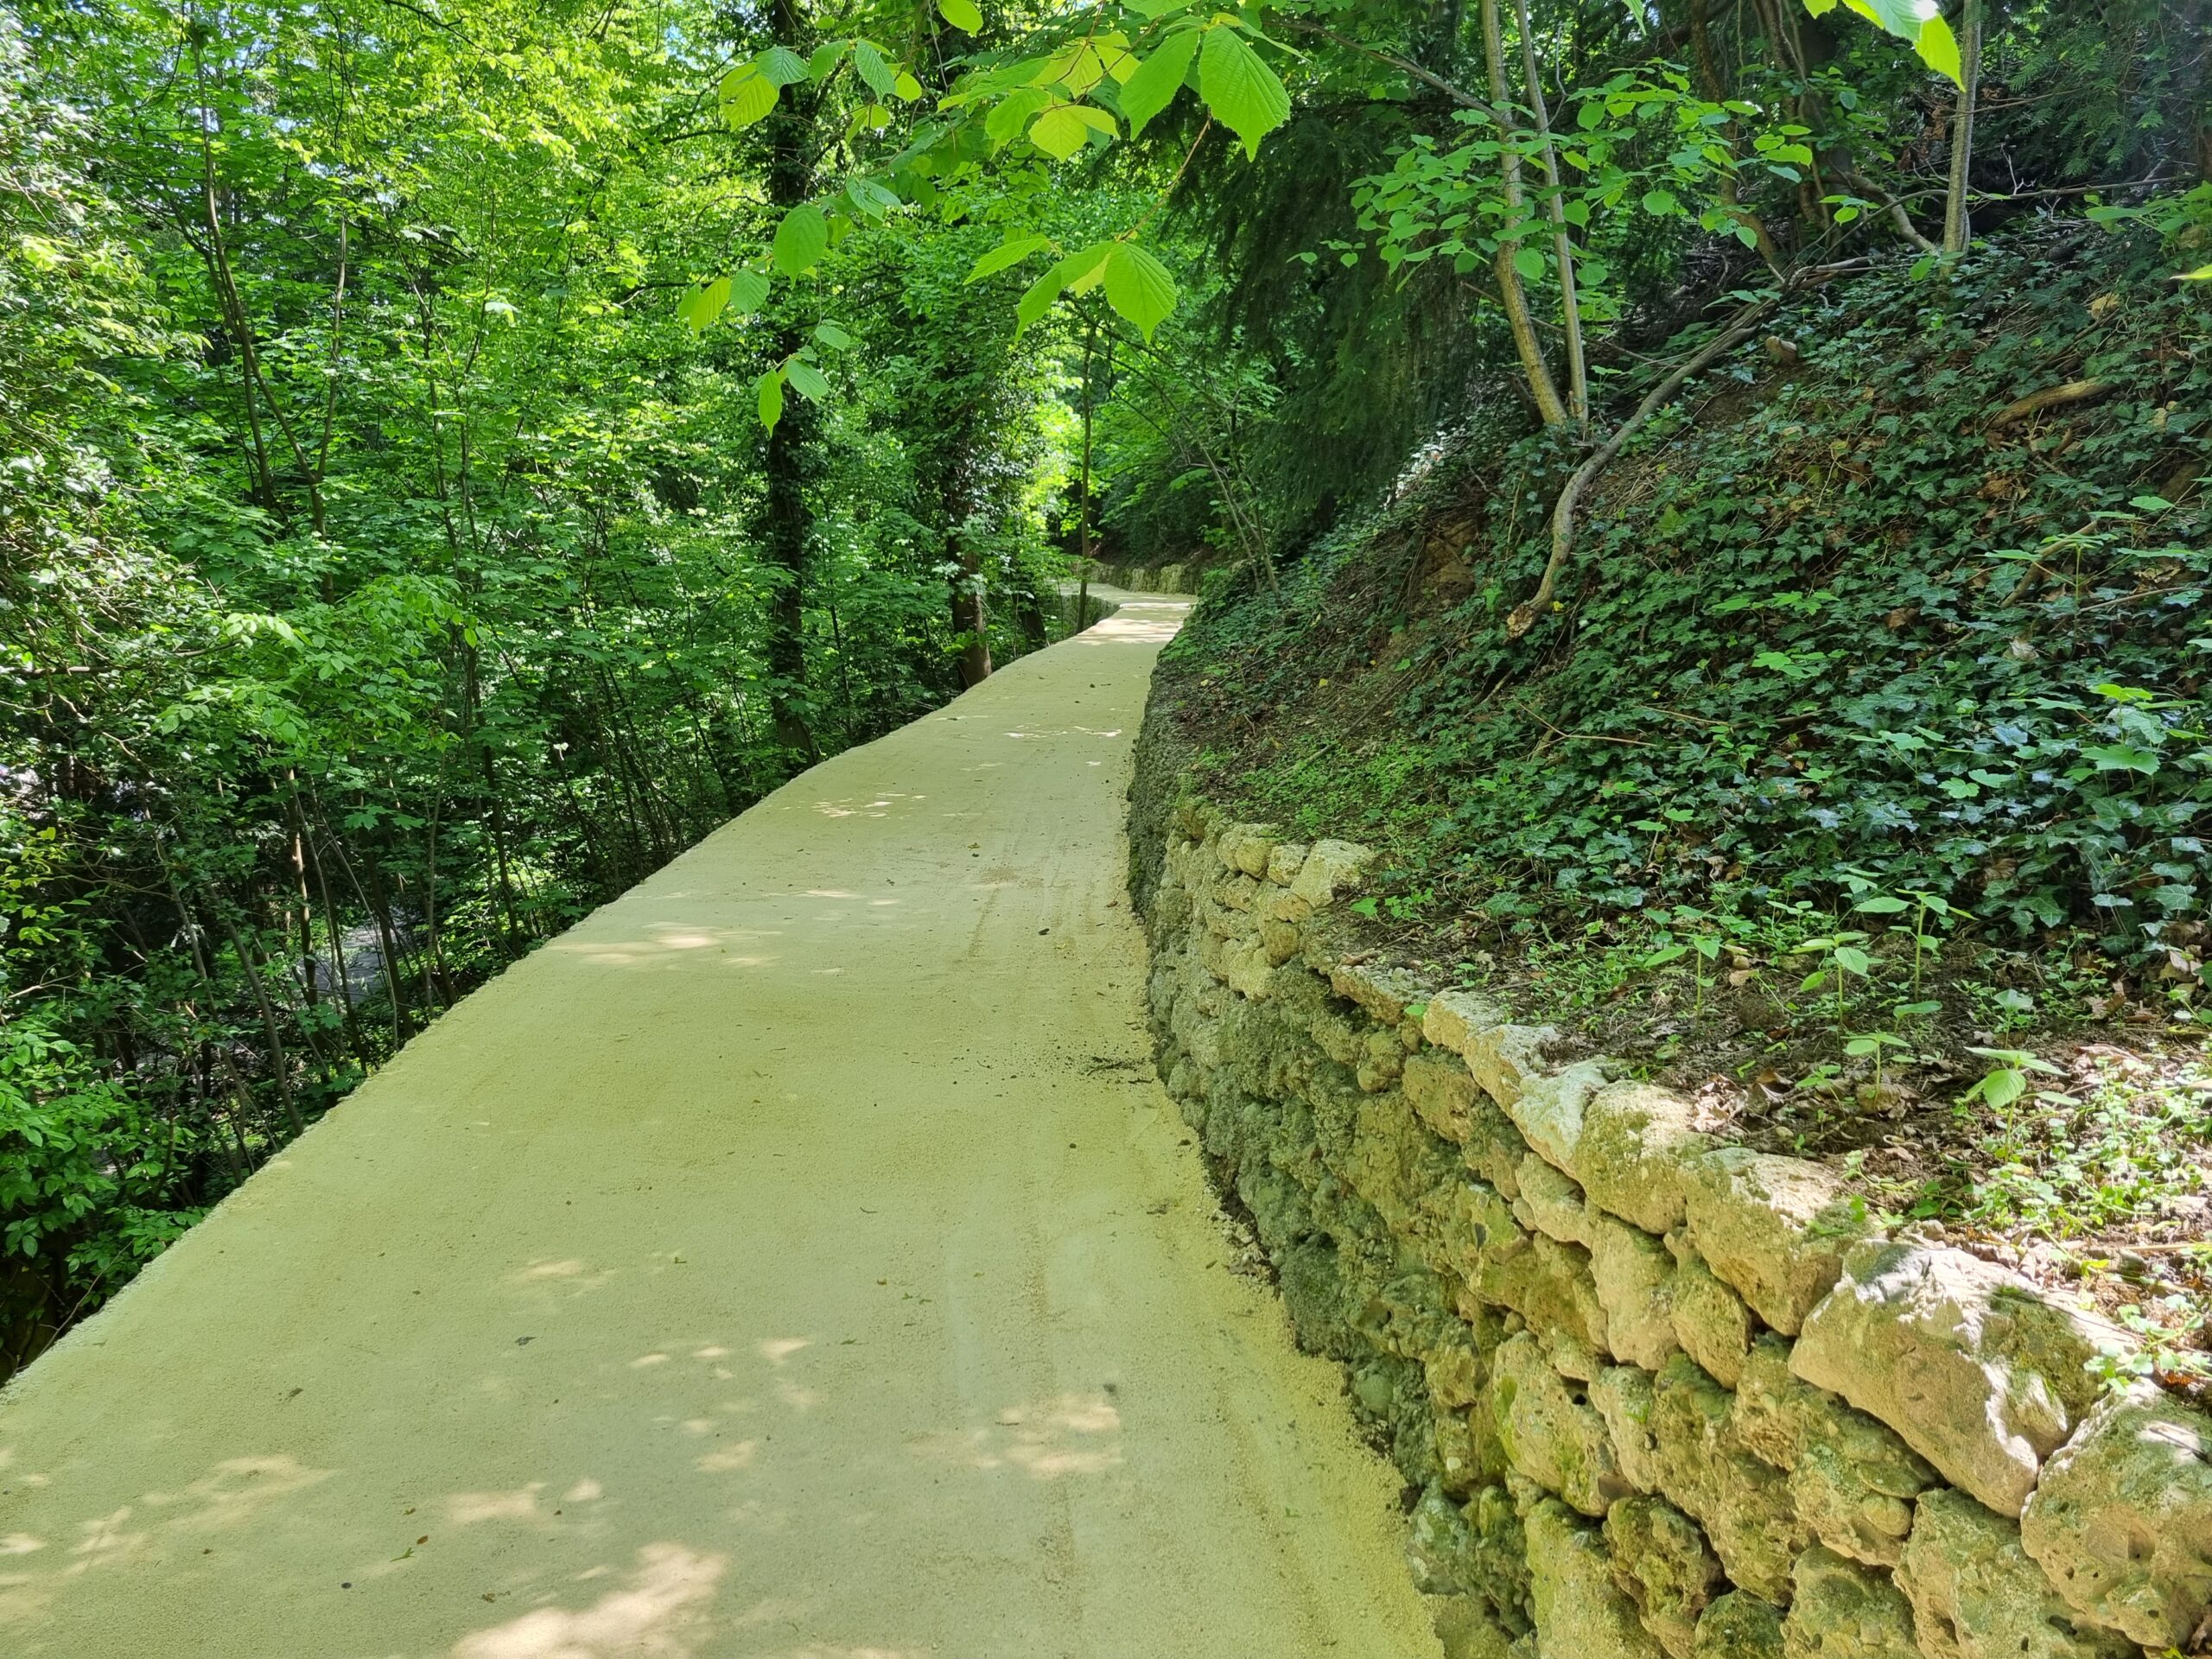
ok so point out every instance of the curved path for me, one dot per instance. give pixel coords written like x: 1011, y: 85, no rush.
x: 795, y: 1258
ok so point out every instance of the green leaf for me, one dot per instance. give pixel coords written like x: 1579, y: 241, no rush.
x: 748, y: 291
x: 1158, y: 79
x: 1078, y: 270
x: 769, y: 396
x: 801, y: 240
x: 747, y: 96
x: 1037, y: 299
x: 868, y: 64
x: 1854, y: 959
x: 827, y: 56
x: 1244, y: 94
x: 1012, y: 251
x: 1060, y: 131
x: 963, y: 15
x: 806, y: 380
x: 1139, y: 287
x: 1660, y: 203
x: 904, y: 87
x: 782, y: 66
x: 832, y: 336
x: 1529, y: 262
x: 1881, y: 905
x: 1013, y: 112
x: 702, y: 305
x: 1939, y: 49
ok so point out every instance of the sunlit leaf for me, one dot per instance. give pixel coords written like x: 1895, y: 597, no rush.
x: 769, y: 398
x: 1158, y: 79
x: 806, y: 380
x: 702, y: 305
x: 801, y: 240
x: 1139, y: 287
x: 747, y: 96
x: 1244, y: 94
x: 963, y: 15
x: 1010, y: 252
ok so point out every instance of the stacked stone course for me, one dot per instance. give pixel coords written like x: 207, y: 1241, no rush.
x: 1661, y: 1398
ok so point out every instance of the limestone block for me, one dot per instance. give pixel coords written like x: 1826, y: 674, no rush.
x: 1547, y: 1107
x: 1330, y: 867
x: 1635, y: 1153
x: 1284, y: 862
x: 2122, y: 1521
x: 1622, y: 1395
x: 1710, y: 1320
x: 1509, y: 1062
x: 1277, y: 907
x: 1246, y: 968
x: 1853, y: 1480
x: 1550, y: 1203
x: 1452, y: 1018
x: 1844, y: 1611
x: 1238, y: 893
x: 1252, y: 852
x: 1980, y: 1374
x: 1382, y: 992
x: 1976, y: 1595
x: 1499, y: 1558
x: 1738, y: 1625
x: 1775, y: 1227
x: 1379, y: 1066
x: 1704, y: 1469
x: 1549, y: 1435
x: 1466, y: 1630
x: 1438, y: 1545
x: 1229, y: 840
x: 1545, y: 1282
x: 1495, y: 1148
x: 1660, y: 1559
x: 1278, y: 941
x: 1634, y: 1275
x: 1442, y: 1092
x: 1580, y: 1612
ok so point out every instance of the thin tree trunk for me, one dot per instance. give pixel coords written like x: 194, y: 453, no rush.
x: 1510, y: 293
x: 1958, y: 225
x: 1577, y: 380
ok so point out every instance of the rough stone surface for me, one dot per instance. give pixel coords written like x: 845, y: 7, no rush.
x: 1453, y: 1018
x: 1738, y: 1625
x: 2122, y: 1521
x: 1550, y: 1203
x: 1635, y: 1153
x: 1980, y: 1375
x: 1634, y: 1274
x: 1580, y: 1610
x: 1383, y: 993
x: 1976, y: 1595
x: 1842, y: 1611
x: 1710, y: 1320
x: 1774, y: 1228
x: 1466, y: 1630
x: 1661, y: 1561
x: 1744, y: 1505
x: 1551, y: 1436
x: 1283, y: 863
x: 1442, y: 1092
x: 1622, y: 1395
x: 1330, y: 867
x: 1851, y: 1478
x: 1547, y: 1107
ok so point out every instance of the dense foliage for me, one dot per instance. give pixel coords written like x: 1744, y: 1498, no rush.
x: 460, y: 452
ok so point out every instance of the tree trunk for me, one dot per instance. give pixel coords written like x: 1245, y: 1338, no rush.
x: 1510, y: 294
x: 1958, y: 225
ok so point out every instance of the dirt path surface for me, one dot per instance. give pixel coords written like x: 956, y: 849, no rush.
x: 797, y: 1258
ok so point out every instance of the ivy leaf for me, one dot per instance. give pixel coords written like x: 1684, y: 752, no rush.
x: 747, y: 96
x: 782, y: 66
x: 1244, y: 94
x: 1012, y: 251
x: 1139, y: 287
x: 1158, y: 79
x: 2123, y: 757
x: 702, y: 305
x: 963, y: 15
x: 807, y: 380
x: 801, y: 240
x: 769, y: 397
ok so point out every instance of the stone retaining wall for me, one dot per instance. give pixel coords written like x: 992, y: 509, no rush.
x: 1658, y: 1396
